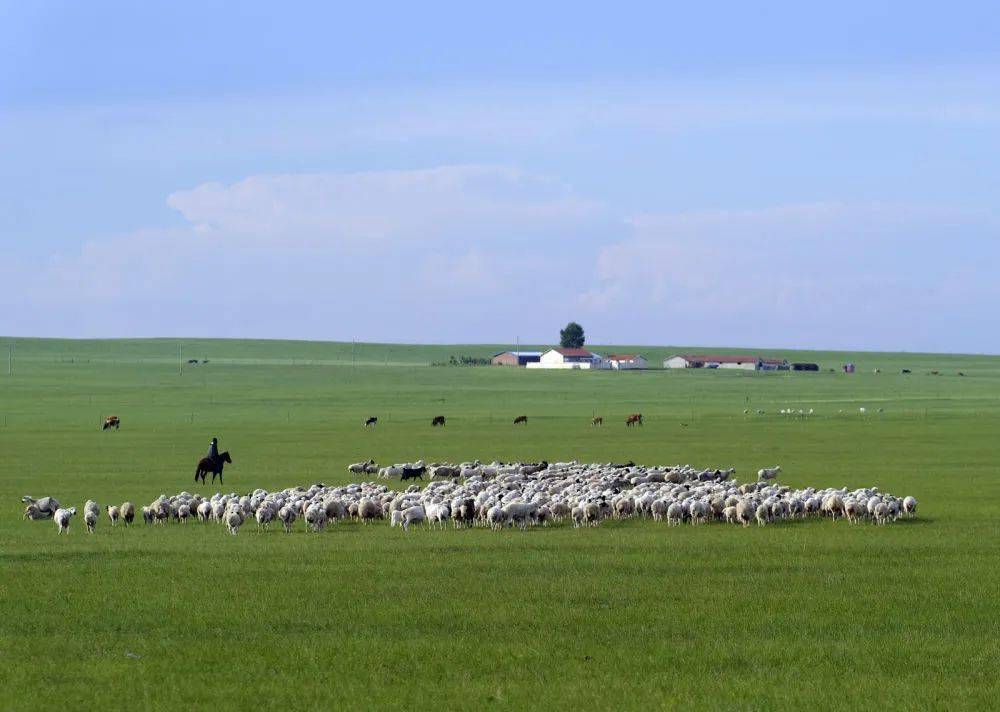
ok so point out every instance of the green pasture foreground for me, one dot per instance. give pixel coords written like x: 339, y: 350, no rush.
x: 625, y: 616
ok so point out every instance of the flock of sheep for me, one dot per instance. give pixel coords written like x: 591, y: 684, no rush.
x: 513, y: 495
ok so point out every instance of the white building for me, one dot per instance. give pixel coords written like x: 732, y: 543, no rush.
x: 746, y: 363
x: 623, y: 362
x: 569, y: 358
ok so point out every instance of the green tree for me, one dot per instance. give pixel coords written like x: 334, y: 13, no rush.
x: 572, y: 336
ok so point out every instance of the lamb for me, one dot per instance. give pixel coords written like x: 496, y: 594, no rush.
x: 768, y: 473
x: 128, y: 513
x: 62, y: 517
x: 113, y: 514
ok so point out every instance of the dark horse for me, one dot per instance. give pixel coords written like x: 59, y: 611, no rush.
x: 207, y: 464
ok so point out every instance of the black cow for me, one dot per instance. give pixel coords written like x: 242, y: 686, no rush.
x: 371, y: 421
x: 438, y: 420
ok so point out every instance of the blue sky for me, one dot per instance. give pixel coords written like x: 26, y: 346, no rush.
x: 710, y: 173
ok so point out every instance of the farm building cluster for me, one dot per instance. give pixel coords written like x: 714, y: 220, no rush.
x: 569, y: 359
x: 585, y: 359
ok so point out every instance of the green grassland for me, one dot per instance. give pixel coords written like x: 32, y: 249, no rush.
x: 628, y: 615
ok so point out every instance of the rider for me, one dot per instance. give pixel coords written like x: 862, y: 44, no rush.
x: 213, y: 450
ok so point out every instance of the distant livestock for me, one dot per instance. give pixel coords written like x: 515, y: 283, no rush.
x: 634, y: 419
x: 372, y: 421
x: 597, y: 421
x: 363, y: 468
x: 521, y: 419
x: 413, y: 473
x: 112, y: 421
x: 438, y: 420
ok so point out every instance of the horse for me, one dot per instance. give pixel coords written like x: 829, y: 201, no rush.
x: 438, y: 420
x: 207, y: 464
x: 371, y: 421
x: 599, y: 420
x: 112, y: 421
x: 634, y: 419
x: 521, y: 419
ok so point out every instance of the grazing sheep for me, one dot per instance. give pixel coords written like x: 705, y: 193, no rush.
x: 744, y: 512
x: 675, y: 514
x: 62, y: 517
x: 762, y: 515
x: 395, y: 518
x: 592, y: 514
x: 113, y: 514
x: 413, y: 515
x: 204, y: 511
x: 147, y: 515
x: 910, y: 506
x: 316, y: 518
x: 368, y: 511
x: 128, y: 513
x: 729, y: 513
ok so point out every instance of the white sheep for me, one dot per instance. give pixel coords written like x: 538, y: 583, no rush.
x: 90, y: 519
x: 287, y: 516
x: 128, y: 513
x: 910, y: 506
x: 62, y: 517
x: 113, y: 514
x: 234, y: 520
x: 768, y: 473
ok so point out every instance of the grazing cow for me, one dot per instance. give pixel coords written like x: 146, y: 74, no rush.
x: 438, y: 420
x: 413, y: 473
x: 597, y: 421
x: 634, y: 419
x: 371, y: 421
x: 906, y: 370
x: 521, y: 419
x: 112, y: 421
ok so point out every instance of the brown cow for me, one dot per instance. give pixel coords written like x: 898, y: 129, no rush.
x: 521, y: 419
x: 112, y: 421
x: 598, y: 421
x: 634, y: 419
x: 438, y: 420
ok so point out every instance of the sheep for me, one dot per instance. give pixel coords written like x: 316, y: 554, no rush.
x: 367, y: 510
x: 204, y: 511
x: 768, y: 473
x: 45, y: 507
x: 658, y: 509
x: 287, y: 516
x: 113, y: 515
x: 495, y: 517
x: 762, y: 515
x: 675, y: 514
x: 90, y: 519
x: 62, y: 517
x: 147, y: 515
x: 413, y: 515
x: 316, y: 518
x: 592, y: 513
x: 729, y: 513
x: 264, y: 515
x: 910, y: 506
x: 395, y: 518
x: 234, y: 520
x: 128, y: 513
x: 744, y: 512
x: 182, y: 513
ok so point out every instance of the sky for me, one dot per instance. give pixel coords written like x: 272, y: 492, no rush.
x: 783, y: 174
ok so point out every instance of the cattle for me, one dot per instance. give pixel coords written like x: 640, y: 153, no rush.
x: 372, y: 421
x: 112, y: 421
x: 438, y: 420
x: 598, y: 420
x: 634, y: 419
x: 906, y: 370
x: 521, y: 419
x: 413, y: 473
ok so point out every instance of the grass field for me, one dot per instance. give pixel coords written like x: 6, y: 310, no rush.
x: 627, y: 615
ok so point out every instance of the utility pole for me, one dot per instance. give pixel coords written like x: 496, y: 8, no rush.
x: 353, y: 342
x: 178, y: 358
x: 10, y: 359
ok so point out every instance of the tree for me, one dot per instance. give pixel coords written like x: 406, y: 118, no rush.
x: 572, y: 336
